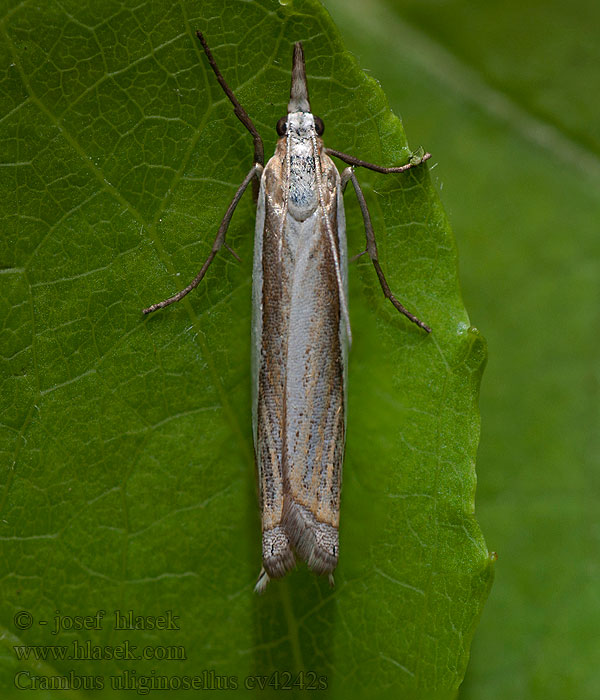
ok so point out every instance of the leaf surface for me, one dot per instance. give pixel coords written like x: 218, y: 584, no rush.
x: 126, y: 442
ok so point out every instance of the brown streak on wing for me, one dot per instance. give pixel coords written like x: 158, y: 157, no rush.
x: 271, y: 381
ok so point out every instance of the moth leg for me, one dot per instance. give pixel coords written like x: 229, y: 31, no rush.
x: 262, y: 582
x: 232, y: 251
x: 344, y: 179
x: 354, y: 258
x: 255, y: 171
x: 348, y: 174
x: 351, y: 160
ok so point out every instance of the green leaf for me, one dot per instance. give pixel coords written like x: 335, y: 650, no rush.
x: 126, y: 442
x: 501, y: 95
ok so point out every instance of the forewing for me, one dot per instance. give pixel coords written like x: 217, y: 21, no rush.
x: 314, y: 395
x: 270, y: 302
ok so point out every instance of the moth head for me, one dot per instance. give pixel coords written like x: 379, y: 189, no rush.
x: 299, y: 101
x: 299, y: 122
x: 300, y: 126
x: 281, y: 126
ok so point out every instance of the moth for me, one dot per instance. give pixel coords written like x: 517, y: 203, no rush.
x: 300, y: 328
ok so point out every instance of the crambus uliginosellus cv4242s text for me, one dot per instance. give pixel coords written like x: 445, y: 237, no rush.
x: 300, y: 328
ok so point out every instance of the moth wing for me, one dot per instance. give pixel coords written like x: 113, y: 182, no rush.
x: 315, y: 387
x: 268, y: 330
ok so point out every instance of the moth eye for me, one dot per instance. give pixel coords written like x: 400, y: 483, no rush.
x: 282, y: 126
x: 319, y: 126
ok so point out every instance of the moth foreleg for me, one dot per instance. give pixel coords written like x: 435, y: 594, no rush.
x: 351, y: 160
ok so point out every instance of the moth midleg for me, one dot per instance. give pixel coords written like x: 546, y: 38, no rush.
x: 348, y: 175
x: 255, y: 171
